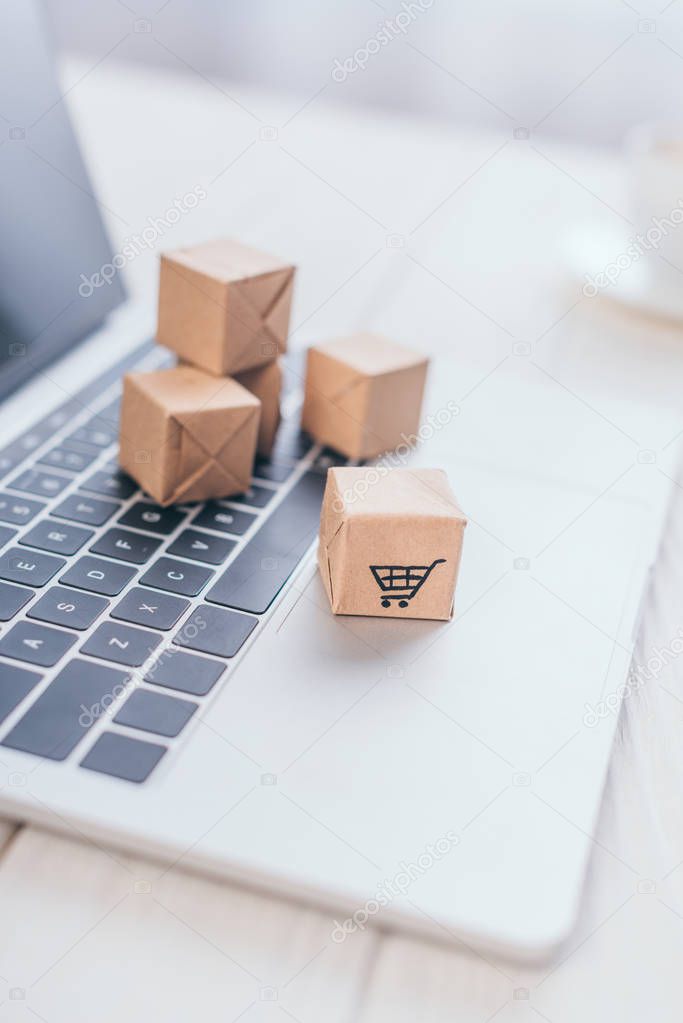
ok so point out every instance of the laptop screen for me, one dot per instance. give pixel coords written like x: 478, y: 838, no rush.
x: 52, y: 237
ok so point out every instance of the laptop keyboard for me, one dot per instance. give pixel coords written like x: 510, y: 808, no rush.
x: 122, y: 614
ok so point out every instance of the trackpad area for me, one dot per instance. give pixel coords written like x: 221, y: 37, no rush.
x: 381, y: 737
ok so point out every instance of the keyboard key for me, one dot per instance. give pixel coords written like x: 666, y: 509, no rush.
x: 257, y: 574
x: 291, y: 442
x: 96, y: 434
x: 28, y: 567
x: 273, y: 471
x: 176, y: 577
x: 224, y: 520
x: 57, y: 419
x: 48, y: 535
x: 18, y: 510
x: 35, y: 643
x: 97, y: 576
x: 6, y: 535
x: 120, y: 643
x: 38, y: 434
x: 158, y: 610
x: 12, y: 599
x: 12, y: 454
x: 188, y: 674
x: 81, y: 508
x: 103, y: 420
x: 154, y: 712
x: 152, y: 517
x: 54, y: 725
x: 33, y: 481
x: 123, y: 757
x: 111, y: 484
x: 61, y: 606
x: 126, y: 546
x: 15, y: 685
x: 31, y: 440
x: 111, y: 414
x: 213, y: 630
x: 257, y: 497
x: 213, y: 550
x: 10, y: 457
x: 69, y: 461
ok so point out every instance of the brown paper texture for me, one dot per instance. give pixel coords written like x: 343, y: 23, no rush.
x: 390, y: 542
x: 363, y: 394
x: 186, y: 435
x: 223, y: 306
x: 265, y: 382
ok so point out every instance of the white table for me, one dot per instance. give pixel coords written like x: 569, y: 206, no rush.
x: 448, y: 241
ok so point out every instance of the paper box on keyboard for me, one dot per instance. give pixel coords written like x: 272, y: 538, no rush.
x: 363, y: 394
x: 266, y: 383
x: 224, y: 306
x: 390, y: 542
x: 187, y: 435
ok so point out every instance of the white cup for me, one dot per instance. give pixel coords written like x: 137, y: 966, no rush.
x: 655, y: 153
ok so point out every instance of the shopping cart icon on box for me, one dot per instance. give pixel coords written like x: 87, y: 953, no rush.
x: 401, y: 582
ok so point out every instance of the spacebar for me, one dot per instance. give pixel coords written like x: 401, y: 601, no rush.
x: 258, y: 573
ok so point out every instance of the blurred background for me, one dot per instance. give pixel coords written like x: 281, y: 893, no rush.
x: 489, y: 63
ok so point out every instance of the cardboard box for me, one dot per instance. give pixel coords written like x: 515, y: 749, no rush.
x: 186, y: 435
x: 266, y: 383
x: 224, y: 306
x: 390, y: 542
x: 363, y: 394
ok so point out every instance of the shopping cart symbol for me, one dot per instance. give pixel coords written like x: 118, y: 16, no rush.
x: 401, y: 582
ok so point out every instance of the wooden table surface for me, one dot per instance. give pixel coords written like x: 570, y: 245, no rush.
x: 450, y: 241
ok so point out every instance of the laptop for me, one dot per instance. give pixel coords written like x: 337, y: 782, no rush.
x: 440, y: 778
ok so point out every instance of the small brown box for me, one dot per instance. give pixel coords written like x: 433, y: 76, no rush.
x: 266, y: 383
x: 186, y: 435
x: 363, y: 394
x: 390, y: 542
x: 224, y: 306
